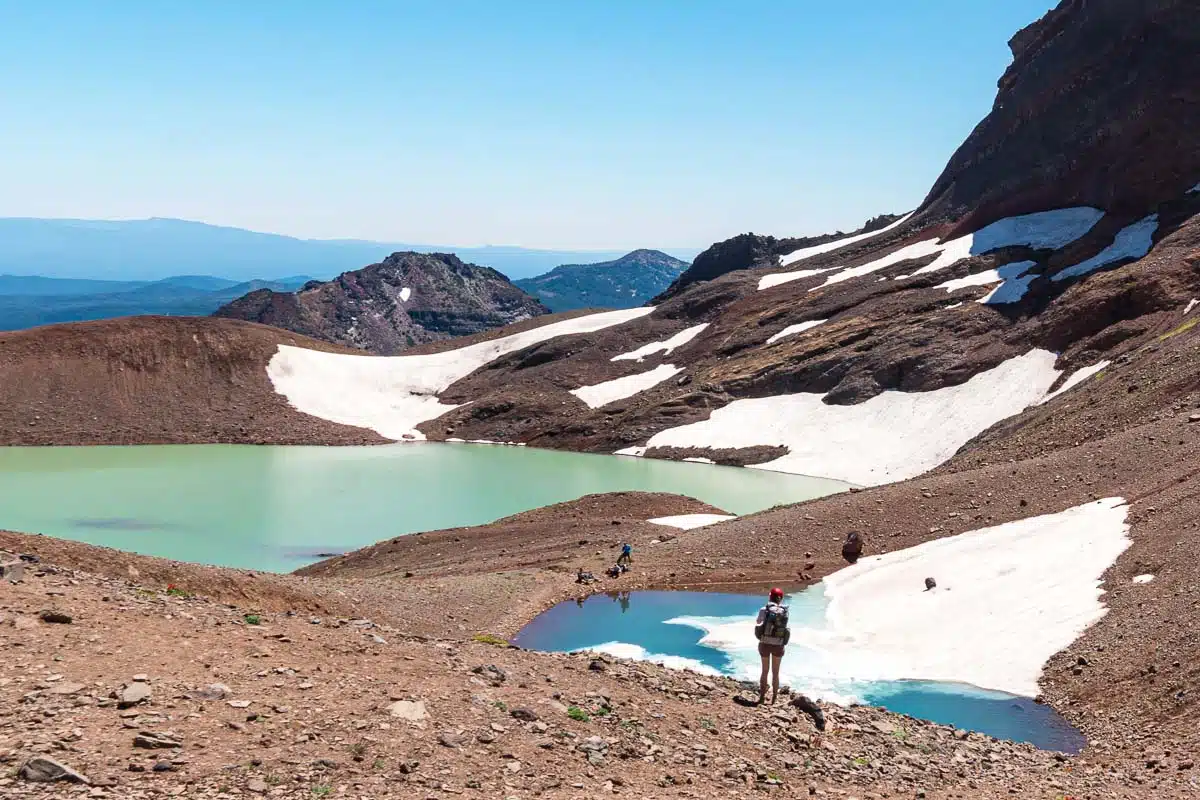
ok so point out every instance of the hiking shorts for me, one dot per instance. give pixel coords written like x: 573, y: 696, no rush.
x: 765, y: 649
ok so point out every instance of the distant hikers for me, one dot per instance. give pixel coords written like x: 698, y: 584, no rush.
x: 853, y: 546
x: 626, y: 557
x: 584, y: 577
x: 771, y: 630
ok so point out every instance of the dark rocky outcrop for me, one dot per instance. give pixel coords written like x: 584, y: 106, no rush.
x: 1100, y: 107
x: 406, y: 300
x: 627, y: 282
x: 751, y: 251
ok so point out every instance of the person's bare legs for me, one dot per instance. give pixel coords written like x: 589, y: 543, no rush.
x: 762, y: 680
x: 775, y: 660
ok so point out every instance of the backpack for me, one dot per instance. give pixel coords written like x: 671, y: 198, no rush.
x: 774, y: 627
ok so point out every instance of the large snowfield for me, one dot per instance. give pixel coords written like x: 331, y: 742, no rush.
x: 392, y: 395
x: 1007, y: 598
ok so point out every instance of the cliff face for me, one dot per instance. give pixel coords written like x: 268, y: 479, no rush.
x: 1100, y: 107
x: 406, y: 300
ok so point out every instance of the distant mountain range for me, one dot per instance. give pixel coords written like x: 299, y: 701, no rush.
x: 28, y: 301
x: 152, y: 249
x: 629, y: 281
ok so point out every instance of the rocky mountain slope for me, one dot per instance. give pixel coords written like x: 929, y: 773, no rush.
x: 1025, y: 343
x: 406, y: 300
x: 629, y: 281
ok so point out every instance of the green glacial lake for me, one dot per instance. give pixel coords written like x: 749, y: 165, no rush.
x: 276, y: 508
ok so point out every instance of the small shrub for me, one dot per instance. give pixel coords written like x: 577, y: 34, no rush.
x: 322, y: 790
x: 707, y: 724
x: 487, y: 638
x: 175, y: 591
x: 578, y: 714
x: 500, y: 704
x: 253, y: 619
x: 1184, y: 328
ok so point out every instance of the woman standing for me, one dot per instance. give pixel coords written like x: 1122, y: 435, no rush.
x: 771, y: 630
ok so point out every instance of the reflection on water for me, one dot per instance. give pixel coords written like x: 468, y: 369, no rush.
x: 655, y: 626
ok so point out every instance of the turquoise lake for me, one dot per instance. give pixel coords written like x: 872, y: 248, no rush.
x: 278, y: 508
x: 654, y: 626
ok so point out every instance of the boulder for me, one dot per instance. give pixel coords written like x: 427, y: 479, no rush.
x: 412, y: 711
x: 852, y: 548
x: 41, y: 769
x: 153, y: 740
x: 133, y: 694
x: 809, y: 707
x: 55, y: 617
x: 930, y: 583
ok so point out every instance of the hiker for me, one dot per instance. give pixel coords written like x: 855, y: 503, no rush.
x: 852, y: 548
x: 584, y: 577
x: 614, y: 571
x: 626, y: 557
x: 771, y: 630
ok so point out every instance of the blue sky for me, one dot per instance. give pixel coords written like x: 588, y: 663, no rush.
x: 604, y: 124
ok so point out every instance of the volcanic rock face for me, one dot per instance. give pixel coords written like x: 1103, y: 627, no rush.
x: 627, y: 282
x: 750, y: 251
x: 1100, y: 107
x: 407, y: 300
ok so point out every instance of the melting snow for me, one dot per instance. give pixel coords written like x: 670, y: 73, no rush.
x: 666, y: 347
x: 601, y: 394
x: 1144, y: 578
x: 978, y: 279
x: 393, y: 395
x: 952, y: 305
x: 405, y: 293
x: 687, y: 522
x: 1042, y: 230
x: 891, y: 437
x: 1191, y: 304
x: 1132, y: 241
x: 1079, y: 376
x: 837, y: 244
x: 1016, y: 283
x: 1008, y: 598
x: 794, y: 329
x: 635, y: 652
x: 636, y: 450
x: 777, y: 278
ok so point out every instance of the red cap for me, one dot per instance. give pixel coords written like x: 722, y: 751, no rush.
x: 776, y: 594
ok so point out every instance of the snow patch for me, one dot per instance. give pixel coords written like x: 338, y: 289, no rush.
x: 665, y: 347
x: 1008, y: 598
x: 1016, y: 283
x: 392, y: 395
x: 1191, y: 304
x: 405, y: 293
x: 699, y: 460
x: 601, y: 394
x: 1132, y: 241
x: 837, y: 244
x: 1079, y: 376
x: 978, y: 279
x: 952, y: 305
x: 636, y: 652
x: 893, y: 436
x: 1143, y: 578
x: 791, y: 330
x: 1041, y: 230
x: 687, y: 522
x: 636, y: 451
x: 777, y: 278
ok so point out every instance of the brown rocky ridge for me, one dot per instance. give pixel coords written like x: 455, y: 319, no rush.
x: 407, y: 299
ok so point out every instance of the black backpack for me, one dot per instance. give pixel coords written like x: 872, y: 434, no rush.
x: 774, y: 624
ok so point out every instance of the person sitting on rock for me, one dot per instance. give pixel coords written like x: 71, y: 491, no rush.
x: 626, y: 557
x: 771, y: 630
x: 614, y: 571
x: 584, y: 577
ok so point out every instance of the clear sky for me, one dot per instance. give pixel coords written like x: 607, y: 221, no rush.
x: 563, y: 123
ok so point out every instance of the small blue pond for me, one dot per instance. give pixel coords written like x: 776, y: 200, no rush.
x: 658, y: 626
